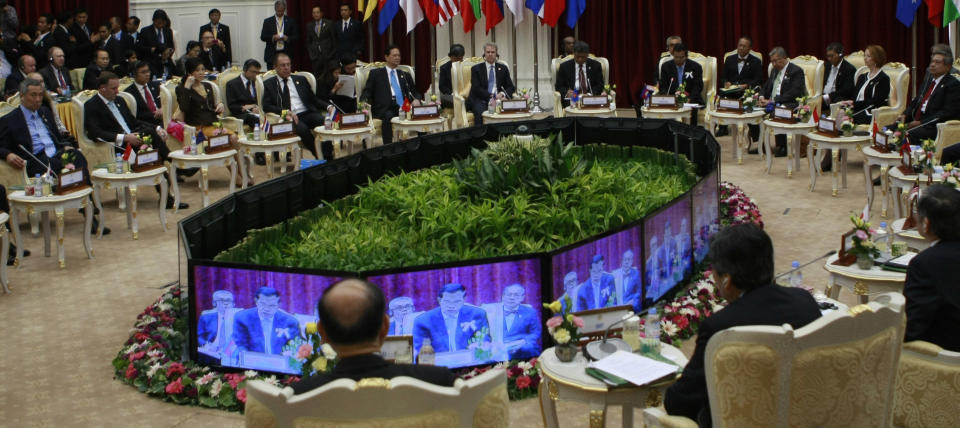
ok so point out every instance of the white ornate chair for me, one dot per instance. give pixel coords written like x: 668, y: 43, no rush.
x: 171, y: 111
x: 76, y: 75
x: 95, y: 152
x: 401, y: 402
x: 227, y: 118
x: 10, y: 176
x: 839, y: 370
x: 446, y: 112
x: 855, y: 59
x: 460, y: 74
x: 555, y: 68
x: 813, y: 73
x: 709, y: 66
x: 362, y: 75
x: 928, y: 384
x: 899, y: 76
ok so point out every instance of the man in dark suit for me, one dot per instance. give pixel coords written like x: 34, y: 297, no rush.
x: 445, y: 84
x: 838, y: 86
x: 386, y: 89
x: 242, y: 94
x: 349, y: 33
x: 61, y: 34
x: 220, y: 32
x: 782, y: 89
x: 453, y: 325
x: 516, y: 324
x: 279, y: 32
x: 599, y: 290
x: 55, y: 75
x: 741, y: 71
x: 931, y: 288
x: 264, y: 328
x: 213, y: 56
x: 118, y: 42
x: 86, y: 40
x: 38, y: 44
x: 215, y: 326
x: 152, y: 40
x: 680, y: 71
x: 321, y: 44
x: 293, y: 93
x: 742, y: 258
x: 670, y: 42
x: 131, y: 26
x: 146, y: 92
x: 26, y: 64
x: 937, y: 101
x: 482, y: 87
x: 583, y: 75
x: 101, y: 62
x: 353, y: 322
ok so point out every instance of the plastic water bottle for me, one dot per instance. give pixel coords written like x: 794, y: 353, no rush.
x: 796, y: 277
x: 427, y: 356
x: 37, y: 186
x: 118, y: 164
x: 631, y: 332
x: 651, y: 330
x: 256, y: 132
x: 328, y: 122
x: 882, y: 239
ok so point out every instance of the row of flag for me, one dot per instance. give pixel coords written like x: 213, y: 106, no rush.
x: 940, y: 13
x: 439, y: 12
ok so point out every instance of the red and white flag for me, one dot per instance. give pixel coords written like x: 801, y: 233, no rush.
x: 129, y: 154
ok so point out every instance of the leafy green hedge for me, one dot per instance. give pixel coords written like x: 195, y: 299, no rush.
x: 512, y: 198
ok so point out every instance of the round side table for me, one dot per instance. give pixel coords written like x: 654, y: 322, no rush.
x: 282, y: 146
x: 680, y: 115
x: 912, y: 237
x: 862, y: 282
x: 839, y: 146
x: 203, y: 161
x: 885, y: 161
x: 505, y: 117
x: 739, y: 120
x: 103, y: 179
x: 590, y: 112
x: 353, y: 136
x: 57, y: 204
x: 403, y: 128
x: 791, y: 130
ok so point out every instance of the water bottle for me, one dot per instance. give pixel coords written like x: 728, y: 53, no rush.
x: 256, y: 132
x: 651, y: 330
x: 427, y: 356
x: 796, y: 277
x: 403, y: 355
x: 118, y: 164
x: 882, y: 239
x: 328, y: 122
x: 37, y: 186
x: 193, y: 145
x: 631, y: 332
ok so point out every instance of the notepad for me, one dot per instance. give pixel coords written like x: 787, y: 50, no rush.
x: 633, y: 368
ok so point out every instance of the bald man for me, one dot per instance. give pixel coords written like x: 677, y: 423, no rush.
x: 354, y: 322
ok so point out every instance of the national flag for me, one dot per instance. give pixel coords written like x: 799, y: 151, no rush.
x: 366, y: 9
x: 552, y: 9
x: 876, y: 130
x: 536, y: 6
x: 906, y: 9
x: 129, y: 155
x: 388, y: 10
x: 575, y: 8
x: 335, y: 116
x: 516, y: 7
x: 648, y: 91
x: 468, y: 14
x: 413, y: 12
x: 493, y: 10
x: 816, y: 116
x: 951, y: 11
x: 914, y: 192
x: 934, y: 11
x: 431, y: 11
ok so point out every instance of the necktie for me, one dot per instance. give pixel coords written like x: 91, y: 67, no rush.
x: 584, y: 85
x: 926, y: 96
x: 319, y: 26
x: 221, y: 334
x: 86, y: 31
x: 491, y: 81
x: 285, y: 102
x: 215, y: 27
x: 397, y: 92
x: 63, y: 83
x: 149, y: 98
x: 112, y: 105
x: 345, y: 26
x: 49, y: 149
x: 251, y: 90
x: 160, y: 35
x: 776, y: 84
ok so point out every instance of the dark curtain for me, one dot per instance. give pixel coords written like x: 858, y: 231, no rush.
x: 99, y: 11
x: 632, y: 33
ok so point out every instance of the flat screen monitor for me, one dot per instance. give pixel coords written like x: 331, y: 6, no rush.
x: 601, y: 273
x: 473, y: 314
x: 252, y: 319
x: 706, y: 214
x: 667, y: 253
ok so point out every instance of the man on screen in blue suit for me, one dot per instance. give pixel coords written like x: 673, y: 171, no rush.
x: 214, y: 327
x: 514, y: 323
x: 600, y: 290
x: 264, y: 328
x: 399, y: 310
x: 452, y: 325
x: 627, y: 278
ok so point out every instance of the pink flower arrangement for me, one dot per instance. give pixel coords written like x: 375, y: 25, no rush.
x: 131, y: 372
x: 233, y: 379
x: 577, y: 321
x: 523, y: 382
x: 304, y: 351
x: 175, y: 368
x: 555, y: 322
x: 242, y: 395
x: 174, y: 387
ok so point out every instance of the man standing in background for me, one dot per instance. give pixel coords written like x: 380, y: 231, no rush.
x: 280, y: 32
x: 321, y: 44
x: 349, y: 33
x: 220, y: 32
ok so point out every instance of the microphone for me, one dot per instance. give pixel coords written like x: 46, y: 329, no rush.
x: 670, y: 86
x: 828, y: 254
x: 38, y: 160
x: 600, y: 349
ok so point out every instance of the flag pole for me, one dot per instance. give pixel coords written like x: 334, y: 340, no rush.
x: 513, y: 41
x: 370, y: 41
x: 536, y: 69
x: 913, y: 44
x: 473, y: 40
x: 433, y: 58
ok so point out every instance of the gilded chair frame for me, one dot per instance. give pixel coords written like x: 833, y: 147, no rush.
x: 926, y: 371
x: 76, y: 75
x: 555, y: 68
x: 221, y: 81
x: 813, y: 70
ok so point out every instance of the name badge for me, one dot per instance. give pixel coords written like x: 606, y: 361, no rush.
x: 148, y: 157
x: 353, y: 119
x: 71, y: 178
x: 663, y: 100
x: 219, y: 141
x: 729, y: 104
x: 281, y: 128
x: 826, y: 125
x: 783, y: 113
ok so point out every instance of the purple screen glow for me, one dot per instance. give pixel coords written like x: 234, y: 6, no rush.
x: 667, y: 252
x: 610, y: 264
x: 706, y: 214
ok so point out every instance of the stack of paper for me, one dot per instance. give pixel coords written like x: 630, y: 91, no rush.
x: 624, y: 367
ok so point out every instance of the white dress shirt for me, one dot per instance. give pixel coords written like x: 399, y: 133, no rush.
x: 296, y: 104
x: 267, y: 327
x: 451, y: 324
x: 831, y: 81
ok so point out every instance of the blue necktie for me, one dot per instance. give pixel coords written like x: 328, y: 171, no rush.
x: 491, y: 81
x: 680, y: 74
x: 398, y: 94
x: 46, y: 143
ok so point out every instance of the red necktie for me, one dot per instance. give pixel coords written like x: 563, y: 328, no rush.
x: 63, y: 84
x: 149, y: 97
x: 584, y: 86
x: 926, y: 96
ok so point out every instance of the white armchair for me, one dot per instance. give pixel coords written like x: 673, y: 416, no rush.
x: 362, y: 74
x: 928, y: 382
x: 400, y: 402
x: 229, y: 122
x: 813, y: 74
x: 171, y: 111
x: 460, y: 74
x: 10, y: 176
x: 836, y: 371
x: 899, y: 76
x: 709, y: 66
x: 95, y: 152
x: 555, y: 68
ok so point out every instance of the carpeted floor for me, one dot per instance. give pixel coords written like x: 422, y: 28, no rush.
x: 61, y: 328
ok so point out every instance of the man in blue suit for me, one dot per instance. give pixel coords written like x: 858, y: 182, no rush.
x: 599, y: 291
x: 654, y: 271
x: 213, y: 332
x: 515, y: 324
x: 627, y: 278
x: 264, y: 328
x: 452, y: 325
x: 399, y: 310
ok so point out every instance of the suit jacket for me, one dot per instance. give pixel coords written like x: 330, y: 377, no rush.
x: 238, y: 96
x: 148, y: 44
x: 692, y: 76
x: 351, y: 40
x: 526, y: 326
x: 38, y: 48
x: 932, y: 292
x: 271, y: 98
x: 168, y: 68
x: 430, y: 325
x: 248, y: 332
x: 215, y: 59
x: 116, y: 48
x: 100, y: 124
x: 223, y: 35
x: 50, y: 78
x: 792, y: 86
x: 377, y: 91
x: 14, y: 133
x: 876, y: 94
x: 90, y: 76
x: 12, y: 84
x: 478, y: 82
x: 586, y: 294
x: 943, y: 102
x: 446, y: 80
x: 322, y: 46
x: 83, y: 47
x: 628, y: 286
x: 567, y: 77
x: 766, y: 305
x: 750, y: 75
x: 267, y: 31
x: 197, y: 110
x: 372, y: 365
x: 207, y: 326
x: 843, y: 88
x: 143, y: 112
x: 61, y: 39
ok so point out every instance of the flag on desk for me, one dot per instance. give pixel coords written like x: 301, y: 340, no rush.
x: 413, y: 12
x: 906, y: 9
x: 951, y: 11
x: 493, y: 10
x: 516, y: 7
x: 575, y: 8
x: 129, y: 155
x: 388, y: 11
x: 935, y: 11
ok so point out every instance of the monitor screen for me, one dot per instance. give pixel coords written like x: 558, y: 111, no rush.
x: 667, y: 252
x: 253, y: 319
x: 472, y: 315
x: 601, y: 273
x: 706, y: 214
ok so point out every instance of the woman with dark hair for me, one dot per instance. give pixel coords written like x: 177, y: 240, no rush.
x: 873, y: 87
x: 168, y: 68
x: 193, y: 51
x: 327, y: 88
x: 124, y: 67
x: 198, y: 105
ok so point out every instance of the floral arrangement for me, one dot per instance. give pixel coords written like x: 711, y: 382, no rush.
x: 147, y: 144
x: 846, y: 123
x: 951, y: 175
x: 67, y: 158
x: 862, y: 243
x: 682, y: 94
x: 736, y: 207
x: 748, y: 100
x: 681, y: 317
x: 564, y: 327
x: 610, y: 91
x: 306, y: 353
x: 364, y: 107
x: 522, y: 377
x: 895, y: 136
x: 481, y: 344
x: 524, y: 94
x: 802, y: 113
x: 930, y: 153
x: 283, y: 115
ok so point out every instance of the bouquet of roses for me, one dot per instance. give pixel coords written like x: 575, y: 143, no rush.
x: 862, y: 243
x: 802, y: 113
x: 748, y: 99
x: 564, y: 326
x: 682, y: 94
